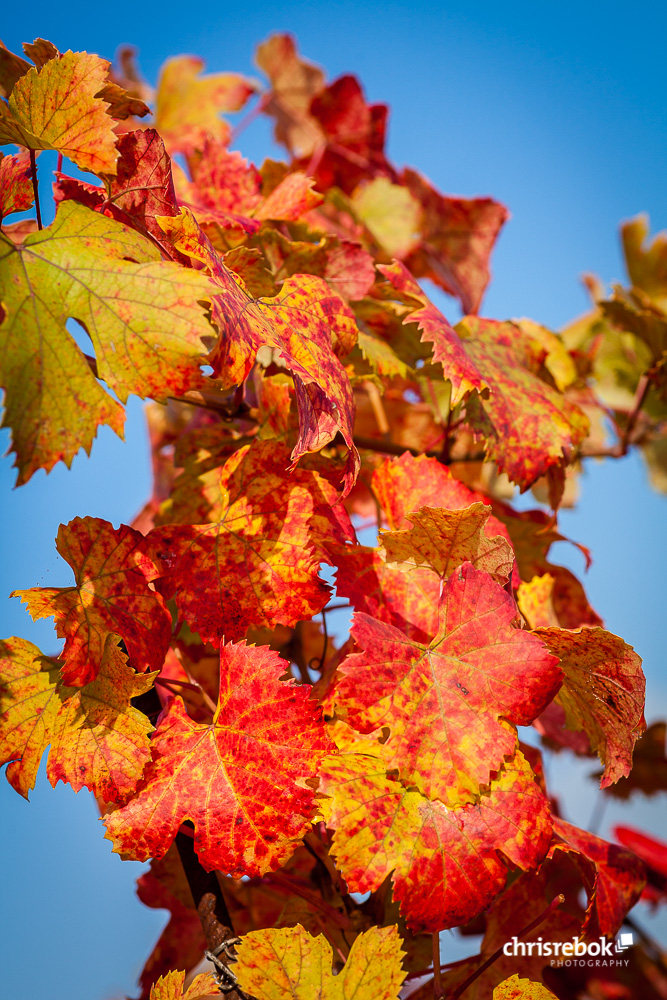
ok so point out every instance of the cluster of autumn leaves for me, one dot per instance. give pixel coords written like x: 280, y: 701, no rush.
x: 391, y: 765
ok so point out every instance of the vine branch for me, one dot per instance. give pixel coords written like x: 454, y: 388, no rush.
x: 35, y: 188
x: 553, y: 905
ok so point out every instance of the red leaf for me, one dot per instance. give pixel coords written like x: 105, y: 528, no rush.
x: 458, y: 237
x: 16, y: 194
x: 446, y: 863
x: 241, y: 780
x: 613, y: 878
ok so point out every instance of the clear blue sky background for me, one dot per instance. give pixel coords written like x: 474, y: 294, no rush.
x: 556, y: 109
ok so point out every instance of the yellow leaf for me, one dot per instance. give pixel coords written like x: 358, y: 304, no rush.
x: 286, y: 963
x: 521, y: 989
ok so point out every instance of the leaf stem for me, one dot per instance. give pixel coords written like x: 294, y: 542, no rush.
x: 437, y: 978
x: 248, y: 119
x: 553, y: 905
x: 35, y: 189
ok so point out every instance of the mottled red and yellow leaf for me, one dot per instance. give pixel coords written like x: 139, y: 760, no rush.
x: 16, y: 193
x: 254, y: 558
x: 98, y: 740
x: 602, y: 693
x: 443, y: 703
x: 57, y: 107
x: 112, y: 570
x: 189, y: 105
x: 446, y: 864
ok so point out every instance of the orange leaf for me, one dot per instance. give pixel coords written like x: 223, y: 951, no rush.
x: 112, y: 571
x: 241, y: 780
x: 56, y: 107
x: 98, y: 740
x: 29, y: 702
x: 443, y: 539
x: 189, y: 105
x: 170, y: 987
x: 522, y: 989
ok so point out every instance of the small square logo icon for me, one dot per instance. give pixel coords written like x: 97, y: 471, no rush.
x: 626, y: 941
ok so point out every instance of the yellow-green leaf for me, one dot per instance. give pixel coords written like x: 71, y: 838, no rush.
x: 142, y: 314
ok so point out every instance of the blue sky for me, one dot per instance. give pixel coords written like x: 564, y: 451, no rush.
x: 557, y: 110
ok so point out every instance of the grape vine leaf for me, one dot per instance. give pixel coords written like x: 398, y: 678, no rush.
x: 12, y: 68
x: 646, y: 262
x: 112, y: 570
x: 57, y: 107
x: 522, y: 989
x: 444, y: 539
x: 16, y: 194
x: 353, y: 135
x: 528, y: 426
x: 446, y: 863
x: 458, y: 235
x: 141, y: 189
x: 172, y: 985
x: 286, y: 963
x: 448, y: 348
x: 649, y: 765
x: 602, y: 694
x: 28, y: 682
x: 189, y: 105
x: 294, y: 83
x: 443, y: 702
x: 241, y: 780
x: 613, y: 877
x: 144, y: 320
x: 98, y: 740
x: 306, y: 324
x: 255, y: 560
